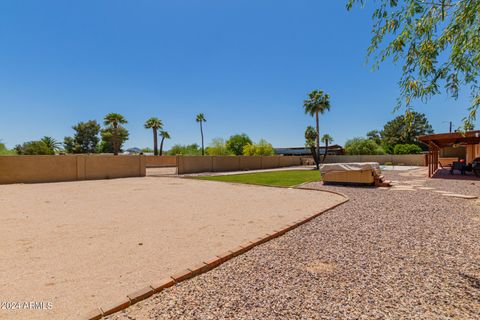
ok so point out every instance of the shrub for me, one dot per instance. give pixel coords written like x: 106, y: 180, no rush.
x: 406, y: 149
x: 362, y: 146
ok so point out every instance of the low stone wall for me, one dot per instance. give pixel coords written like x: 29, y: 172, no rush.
x: 197, y: 164
x: 160, y: 161
x: 34, y: 169
x: 394, y: 159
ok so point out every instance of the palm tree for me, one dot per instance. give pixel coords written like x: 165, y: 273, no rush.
x: 326, y: 138
x: 201, y: 119
x: 317, y: 102
x: 155, y: 124
x: 164, y: 135
x: 310, y: 138
x: 114, y: 120
x: 51, y: 143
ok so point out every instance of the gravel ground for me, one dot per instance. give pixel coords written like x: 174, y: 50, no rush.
x: 385, y: 254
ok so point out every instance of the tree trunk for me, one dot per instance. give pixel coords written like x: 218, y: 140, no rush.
x: 314, y: 155
x: 161, y: 145
x: 201, y: 132
x: 114, y: 141
x: 326, y: 151
x: 318, y: 140
x: 155, y: 142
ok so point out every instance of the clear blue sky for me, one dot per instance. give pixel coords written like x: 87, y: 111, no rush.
x: 246, y: 64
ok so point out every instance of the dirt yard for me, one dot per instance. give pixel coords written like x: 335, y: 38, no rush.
x: 80, y: 245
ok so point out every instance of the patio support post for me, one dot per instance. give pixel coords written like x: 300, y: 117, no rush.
x: 432, y: 159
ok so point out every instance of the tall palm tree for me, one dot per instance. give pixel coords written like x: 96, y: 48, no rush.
x: 326, y: 138
x: 164, y: 135
x: 114, y: 120
x: 155, y: 124
x: 317, y: 102
x: 201, y: 119
x: 51, y: 143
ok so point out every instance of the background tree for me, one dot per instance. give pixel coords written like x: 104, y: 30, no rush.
x: 310, y: 141
x: 34, y: 148
x: 201, y: 119
x: 469, y: 126
x: 262, y: 148
x: 236, y: 143
x: 147, y: 150
x: 403, y: 131
x: 406, y: 149
x: 375, y: 136
x: 155, y: 124
x: 217, y: 148
x: 362, y: 146
x: 164, y: 135
x: 437, y: 42
x: 85, y: 139
x: 52, y: 144
x: 113, y: 133
x: 317, y: 102
x: 112, y: 140
x: 4, y: 151
x: 186, y: 150
x: 326, y: 138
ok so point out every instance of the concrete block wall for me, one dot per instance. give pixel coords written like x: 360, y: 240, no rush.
x: 198, y: 164
x: 160, y: 161
x: 36, y: 169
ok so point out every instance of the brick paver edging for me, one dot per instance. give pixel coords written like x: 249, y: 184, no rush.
x: 204, y: 266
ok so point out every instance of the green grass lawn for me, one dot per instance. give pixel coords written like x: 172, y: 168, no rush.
x: 287, y: 178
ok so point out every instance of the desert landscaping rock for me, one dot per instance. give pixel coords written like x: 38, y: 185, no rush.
x: 378, y: 256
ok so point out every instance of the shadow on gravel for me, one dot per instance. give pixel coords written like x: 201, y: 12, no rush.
x: 474, y: 281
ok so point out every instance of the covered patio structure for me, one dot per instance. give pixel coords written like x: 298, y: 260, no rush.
x: 469, y: 142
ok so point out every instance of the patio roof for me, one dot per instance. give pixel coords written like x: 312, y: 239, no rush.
x: 447, y: 139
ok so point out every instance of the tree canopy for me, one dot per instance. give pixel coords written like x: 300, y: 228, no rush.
x: 262, y: 148
x: 401, y: 131
x: 186, y: 150
x: 4, y: 151
x: 200, y: 118
x: 85, y: 139
x: 114, y: 119
x: 362, y: 146
x: 51, y: 143
x: 111, y: 134
x: 326, y: 138
x: 153, y: 123
x: 217, y: 148
x: 34, y: 148
x: 310, y: 136
x: 236, y: 143
x: 406, y: 149
x: 317, y: 102
x: 436, y: 41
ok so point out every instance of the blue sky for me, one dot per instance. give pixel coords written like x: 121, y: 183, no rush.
x: 246, y: 64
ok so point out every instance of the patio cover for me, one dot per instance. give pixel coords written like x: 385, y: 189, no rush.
x: 448, y: 139
x: 437, y: 141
